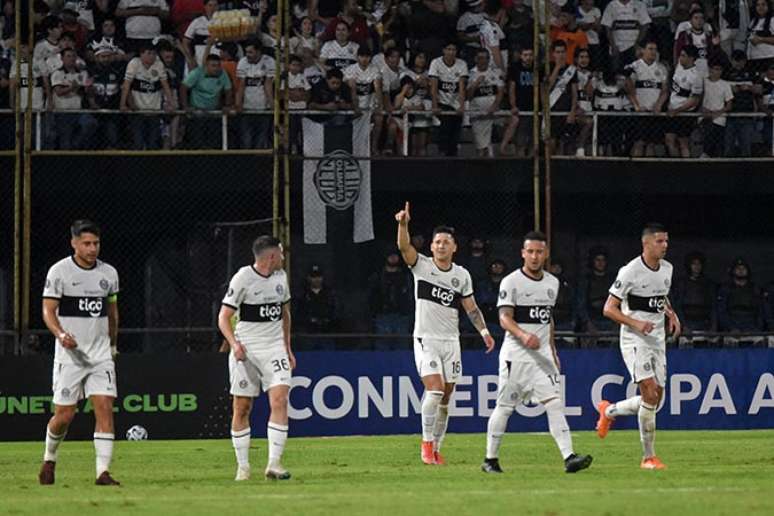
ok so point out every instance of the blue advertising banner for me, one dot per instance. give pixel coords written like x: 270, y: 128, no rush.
x: 350, y: 393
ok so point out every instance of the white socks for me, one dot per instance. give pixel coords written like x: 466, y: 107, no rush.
x: 495, y: 429
x: 557, y: 425
x: 628, y: 407
x: 276, y: 435
x: 430, y: 413
x: 52, y: 444
x: 103, y: 447
x: 442, y: 421
x: 241, y: 441
x: 647, y: 420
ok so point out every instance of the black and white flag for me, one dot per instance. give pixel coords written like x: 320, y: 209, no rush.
x: 335, y: 180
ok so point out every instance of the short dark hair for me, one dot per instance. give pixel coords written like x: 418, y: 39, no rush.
x: 558, y: 43
x: 363, y: 50
x: 164, y: 45
x: 406, y: 80
x: 334, y: 72
x: 51, y: 22
x: 652, y: 228
x: 145, y: 46
x: 81, y: 226
x: 390, y: 51
x: 538, y: 236
x: 67, y: 35
x: 255, y: 43
x: 444, y: 229
x: 691, y: 51
x: 212, y: 57
x: 263, y: 243
x: 295, y: 59
x: 649, y: 41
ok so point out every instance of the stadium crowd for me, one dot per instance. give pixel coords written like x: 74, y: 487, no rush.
x: 436, y: 59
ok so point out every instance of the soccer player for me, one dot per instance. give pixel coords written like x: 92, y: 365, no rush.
x: 440, y: 287
x: 529, y: 365
x: 638, y: 302
x: 260, y: 356
x: 80, y: 309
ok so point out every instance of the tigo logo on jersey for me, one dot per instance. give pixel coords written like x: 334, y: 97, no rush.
x: 657, y: 303
x: 540, y: 313
x: 92, y: 306
x: 271, y: 312
x: 446, y: 297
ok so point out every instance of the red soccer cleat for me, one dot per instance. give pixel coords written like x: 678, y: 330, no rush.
x: 427, y: 453
x: 652, y: 463
x: 439, y: 460
x: 603, y: 423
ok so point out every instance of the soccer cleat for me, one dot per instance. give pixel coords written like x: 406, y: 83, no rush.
x: 426, y: 452
x: 575, y: 463
x: 106, y: 480
x: 652, y: 463
x: 438, y: 458
x: 603, y: 423
x: 46, y: 475
x: 491, y: 466
x: 243, y: 473
x: 276, y: 472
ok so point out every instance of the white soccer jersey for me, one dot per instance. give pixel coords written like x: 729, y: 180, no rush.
x: 43, y: 50
x: 391, y: 80
x: 143, y: 27
x: 584, y: 100
x: 255, y: 76
x: 686, y: 83
x: 145, y: 83
x: 485, y: 93
x: 37, y: 78
x: 625, y: 21
x: 438, y: 295
x: 365, y: 82
x: 448, y: 80
x: 422, y: 93
x: 643, y: 294
x: 333, y: 54
x: 608, y: 97
x: 491, y: 35
x: 761, y: 29
x: 469, y: 23
x: 198, y: 31
x: 83, y: 298
x: 297, y: 80
x: 259, y: 301
x: 648, y: 81
x: 701, y: 41
x: 71, y: 100
x: 533, y: 303
x: 588, y: 17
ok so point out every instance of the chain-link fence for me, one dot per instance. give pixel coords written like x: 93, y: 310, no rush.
x: 175, y: 227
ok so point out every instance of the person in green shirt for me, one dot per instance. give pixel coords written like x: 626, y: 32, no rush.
x: 206, y: 88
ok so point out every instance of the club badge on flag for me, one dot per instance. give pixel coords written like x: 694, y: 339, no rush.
x: 334, y: 179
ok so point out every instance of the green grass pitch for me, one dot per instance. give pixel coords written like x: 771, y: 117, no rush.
x: 722, y: 472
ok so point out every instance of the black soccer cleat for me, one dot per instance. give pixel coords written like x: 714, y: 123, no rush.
x: 106, y: 480
x: 46, y: 475
x: 575, y: 463
x: 491, y: 466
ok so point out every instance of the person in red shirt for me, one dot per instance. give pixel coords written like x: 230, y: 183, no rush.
x: 358, y: 26
x: 183, y: 12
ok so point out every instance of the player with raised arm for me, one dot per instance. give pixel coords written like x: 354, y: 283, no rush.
x: 260, y: 357
x: 440, y: 287
x: 529, y: 365
x: 80, y: 309
x: 638, y: 302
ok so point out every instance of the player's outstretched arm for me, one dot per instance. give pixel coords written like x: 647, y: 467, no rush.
x: 50, y: 307
x: 612, y: 311
x: 224, y: 325
x: 407, y: 250
x: 508, y: 323
x: 477, y: 319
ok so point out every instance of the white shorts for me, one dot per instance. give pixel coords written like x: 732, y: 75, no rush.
x: 482, y: 131
x: 73, y: 382
x: 645, y: 362
x: 260, y: 371
x: 434, y: 356
x: 521, y: 382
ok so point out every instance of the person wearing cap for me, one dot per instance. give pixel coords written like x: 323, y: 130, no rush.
x: 105, y: 93
x: 740, y: 130
x: 316, y: 307
x: 739, y: 300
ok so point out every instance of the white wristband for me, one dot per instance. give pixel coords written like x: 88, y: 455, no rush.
x: 484, y: 332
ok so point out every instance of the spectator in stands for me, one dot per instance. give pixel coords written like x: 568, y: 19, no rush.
x: 340, y: 52
x: 54, y: 62
x: 661, y: 31
x: 40, y: 90
x: 695, y: 295
x: 105, y: 93
x: 7, y: 25
x: 365, y: 83
x: 182, y: 13
x: 73, y: 130
x: 390, y: 297
x: 626, y: 23
x: 520, y: 98
x: 493, y: 37
x: 331, y: 95
x: 562, y: 86
x: 487, y: 292
x: 297, y: 90
x: 174, y: 65
x: 564, y: 309
x: 740, y: 130
x: 45, y: 48
x: 356, y: 22
x: 648, y: 89
x: 468, y: 30
x: 70, y: 24
x: 584, y: 120
x: 716, y: 102
x: 207, y: 88
x: 765, y: 103
x: 609, y: 97
x: 699, y: 34
x: 760, y: 45
x: 390, y: 72
x: 419, y: 242
x: 107, y: 37
x: 485, y: 91
x: 305, y: 38
x: 477, y: 259
x: 316, y: 306
x: 739, y: 300
x: 254, y: 92
x: 687, y: 89
x: 6, y: 122
x: 145, y: 81
x: 448, y: 76
x: 431, y: 27
x: 143, y: 20
x: 568, y: 31
x: 323, y: 11
x: 409, y: 101
x: 313, y: 71
x: 592, y: 293
x: 768, y: 307
x: 197, y: 35
x: 519, y: 26
x: 732, y: 18
x: 589, y: 20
